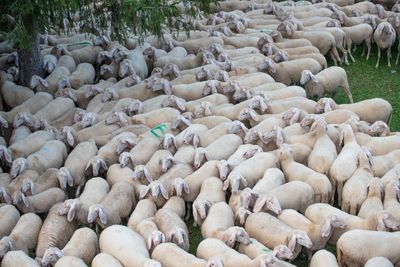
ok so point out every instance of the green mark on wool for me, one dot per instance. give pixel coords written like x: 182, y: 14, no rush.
x: 160, y: 128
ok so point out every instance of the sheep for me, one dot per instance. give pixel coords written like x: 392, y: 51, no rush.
x: 9, y: 218
x: 87, y: 55
x: 94, y: 192
x: 173, y: 227
x: 250, y: 171
x: 324, y: 152
x: 373, y: 204
x: 136, y: 62
x: 382, y: 221
x: 211, y: 121
x: 148, y: 145
x: 355, y: 189
x: 11, y: 186
x: 116, y: 205
x: 67, y: 62
x: 158, y: 164
x: 326, y: 81
x: 210, y: 193
x: 148, y: 229
x: 127, y: 246
x: 296, y: 171
x: 105, y: 260
x: 213, y: 151
x: 350, y: 253
x: 154, y: 118
x: 83, y: 244
x: 324, y: 41
x: 391, y: 203
x: 325, y: 258
x: 192, y: 46
x: 18, y: 258
x: 52, y: 82
x: 242, y: 153
x: 5, y: 180
x: 289, y: 72
x: 46, y: 180
x: 176, y: 256
x: 282, y: 55
x: 300, y: 196
x: 144, y: 209
x: 384, y: 37
x: 378, y: 261
x: 219, y: 223
x: 73, y: 172
x: 378, y: 109
x: 271, y: 232
x: 70, y: 261
x: 39, y: 203
x: 55, y: 232
x: 319, y: 234
x: 219, y: 130
x: 51, y: 155
x: 196, y: 179
x: 84, y: 74
x: 14, y: 95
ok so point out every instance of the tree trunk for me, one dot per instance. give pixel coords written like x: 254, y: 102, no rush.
x: 30, y: 62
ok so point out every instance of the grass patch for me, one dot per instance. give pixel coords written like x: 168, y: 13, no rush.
x: 365, y: 82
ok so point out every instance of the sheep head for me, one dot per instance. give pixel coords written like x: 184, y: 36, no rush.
x: 126, y: 68
x: 51, y: 256
x: 171, y: 71
x: 133, y: 108
x: 222, y: 76
x: 6, y: 244
x: 97, y: 212
x: 28, y: 185
x: 235, y: 234
x: 204, y: 74
x: 167, y: 163
x: 63, y: 83
x: 19, y: 197
x: 5, y: 154
x: 306, y: 76
x: 387, y: 221
x: 104, y: 56
x: 92, y: 90
x: 268, y: 65
x: 248, y: 114
x: 154, y: 239
x: 234, y: 180
x: 65, y: 178
x: 237, y: 127
x: 117, y: 117
x: 3, y: 122
x: 141, y: 171
x: 215, y: 261
x: 252, y: 151
x: 204, y: 109
x: 200, y: 156
x: 124, y: 143
x: 125, y: 158
x: 179, y: 236
x: 333, y: 23
x: 332, y: 221
x: 223, y: 57
x: 156, y: 189
x: 269, y: 203
x: 174, y: 101
x: 247, y: 197
x: 18, y: 166
x: 180, y: 186
x: 191, y: 137
x: 36, y: 80
x: 258, y: 102
x: 223, y: 169
x: 89, y: 119
x: 379, y: 128
x: 200, y: 209
x: 97, y: 164
x: 5, y: 196
x: 23, y: 118
x: 68, y: 207
x: 324, y: 105
x: 301, y: 238
x: 241, y: 215
x: 211, y: 87
x: 182, y: 119
x: 160, y: 84
x: 169, y: 142
x: 291, y: 116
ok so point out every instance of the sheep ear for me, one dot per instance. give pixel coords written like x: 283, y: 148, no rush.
x: 181, y: 104
x: 71, y: 213
x: 260, y: 203
x: 147, y: 175
x: 381, y: 226
x: 288, y: 30
x: 295, y: 118
x: 397, y: 21
x: 279, y: 137
x: 196, y: 140
x: 327, y: 106
x: 102, y: 216
x: 26, y: 202
x: 144, y: 190
x: 326, y: 229
x: 304, y: 77
x: 254, y: 115
x: 164, y: 192
x: 292, y: 243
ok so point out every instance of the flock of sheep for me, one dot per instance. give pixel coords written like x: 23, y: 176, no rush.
x: 108, y: 155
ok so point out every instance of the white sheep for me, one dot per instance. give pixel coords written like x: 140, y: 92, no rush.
x: 83, y: 244
x: 271, y: 232
x: 19, y: 258
x: 105, y: 260
x: 390, y: 203
x: 55, y: 232
x: 144, y: 209
x: 324, y: 152
x: 355, y: 189
x: 289, y: 72
x: 14, y: 94
x: 70, y: 261
x: 378, y: 261
x: 384, y: 37
x: 84, y: 74
x: 319, y: 234
x: 127, y: 246
x: 378, y: 109
x: 296, y: 171
x: 115, y: 206
x: 373, y: 204
x: 39, y: 203
x: 94, y: 192
x: 9, y: 218
x: 73, y: 172
x: 369, y: 244
x: 326, y: 81
x: 382, y: 221
x: 211, y: 192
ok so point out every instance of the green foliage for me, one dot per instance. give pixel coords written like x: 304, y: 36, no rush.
x: 118, y: 18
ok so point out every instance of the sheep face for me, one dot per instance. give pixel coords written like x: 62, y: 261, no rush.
x: 51, y: 256
x: 200, y: 209
x: 200, y: 157
x: 5, y: 154
x: 68, y: 207
x: 96, y: 211
x: 28, y: 185
x: 97, y: 164
x: 247, y: 198
x: 4, y: 195
x: 6, y: 245
x: 117, y: 117
x: 180, y: 186
x: 211, y: 87
x: 204, y: 74
x: 203, y: 109
x: 140, y: 172
x: 387, y: 221
x: 3, y: 122
x: 378, y: 128
x: 125, y: 158
x: 23, y: 118
x: 237, y: 127
x: 181, y: 119
x: 133, y: 108
x: 171, y: 71
x: 235, y: 234
x: 223, y: 169
x: 18, y: 166
x: 234, y: 180
x: 301, y: 238
x: 19, y: 197
x: 247, y: 114
x: 166, y: 163
x: 283, y: 252
x: 155, y: 239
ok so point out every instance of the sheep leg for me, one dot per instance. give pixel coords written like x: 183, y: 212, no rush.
x: 349, y: 51
x: 344, y: 52
x: 346, y: 89
x: 379, y: 56
x: 368, y: 43
x: 339, y: 193
x: 188, y: 211
x: 333, y: 192
x: 398, y: 54
x: 336, y: 54
x: 333, y: 58
x: 389, y: 56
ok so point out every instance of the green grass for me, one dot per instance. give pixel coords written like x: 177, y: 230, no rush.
x: 365, y: 82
